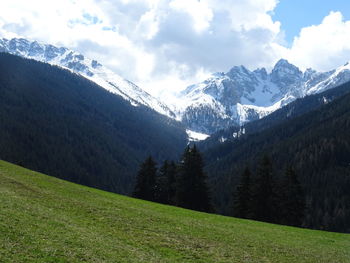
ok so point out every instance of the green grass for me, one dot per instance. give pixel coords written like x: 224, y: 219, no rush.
x: 44, y: 219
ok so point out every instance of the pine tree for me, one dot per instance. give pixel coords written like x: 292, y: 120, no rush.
x: 293, y: 199
x: 192, y: 190
x: 171, y: 180
x: 166, y: 183
x: 242, y: 196
x: 161, y: 184
x: 146, y: 180
x: 264, y: 206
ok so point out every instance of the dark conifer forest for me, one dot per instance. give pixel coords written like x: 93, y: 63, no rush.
x: 63, y: 125
x: 264, y: 197
x: 316, y: 144
x: 183, y: 185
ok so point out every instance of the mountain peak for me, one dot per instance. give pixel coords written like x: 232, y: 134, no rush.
x: 283, y: 63
x: 286, y: 75
x: 238, y: 69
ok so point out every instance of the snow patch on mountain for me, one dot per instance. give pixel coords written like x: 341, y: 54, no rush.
x: 196, y: 136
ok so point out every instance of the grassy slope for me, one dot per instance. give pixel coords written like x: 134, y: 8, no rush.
x: 44, y: 219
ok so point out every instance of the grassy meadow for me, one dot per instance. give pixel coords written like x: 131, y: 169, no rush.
x: 44, y: 219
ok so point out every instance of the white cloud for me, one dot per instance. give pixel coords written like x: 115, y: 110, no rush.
x: 199, y: 11
x: 323, y: 47
x: 248, y: 14
x: 165, y: 45
x: 158, y: 44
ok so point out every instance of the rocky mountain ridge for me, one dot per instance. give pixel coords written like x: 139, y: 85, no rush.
x: 240, y: 95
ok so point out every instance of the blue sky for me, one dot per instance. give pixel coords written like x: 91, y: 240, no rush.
x: 166, y: 45
x: 296, y: 14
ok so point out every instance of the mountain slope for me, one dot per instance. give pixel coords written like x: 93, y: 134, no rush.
x: 240, y: 95
x: 60, y: 123
x: 292, y: 110
x: 316, y: 143
x: 91, y: 69
x: 44, y: 219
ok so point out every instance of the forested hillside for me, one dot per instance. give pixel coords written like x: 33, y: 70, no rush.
x: 57, y: 122
x: 290, y: 111
x: 316, y: 144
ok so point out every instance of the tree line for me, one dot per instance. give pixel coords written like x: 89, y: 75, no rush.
x: 182, y: 184
x: 261, y: 197
x: 266, y: 198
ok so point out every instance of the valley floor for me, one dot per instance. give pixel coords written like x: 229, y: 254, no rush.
x: 44, y: 219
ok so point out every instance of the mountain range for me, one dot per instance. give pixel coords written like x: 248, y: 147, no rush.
x: 240, y: 95
x: 223, y: 100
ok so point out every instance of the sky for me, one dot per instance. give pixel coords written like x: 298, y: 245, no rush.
x: 309, y: 12
x: 165, y: 45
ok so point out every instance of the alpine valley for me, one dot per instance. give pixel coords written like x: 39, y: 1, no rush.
x: 198, y: 131
x: 70, y: 117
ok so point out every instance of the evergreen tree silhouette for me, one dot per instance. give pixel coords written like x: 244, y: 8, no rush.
x: 171, y: 182
x: 146, y: 180
x: 192, y: 190
x: 264, y: 197
x: 166, y: 183
x: 293, y: 199
x: 242, y: 196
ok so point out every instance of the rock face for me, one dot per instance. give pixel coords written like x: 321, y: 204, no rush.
x: 86, y: 67
x: 240, y: 95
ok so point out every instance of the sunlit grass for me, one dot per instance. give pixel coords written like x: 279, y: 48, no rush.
x: 44, y: 219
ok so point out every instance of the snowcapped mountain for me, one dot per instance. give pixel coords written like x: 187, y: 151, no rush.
x: 86, y: 67
x: 223, y: 100
x: 241, y: 95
